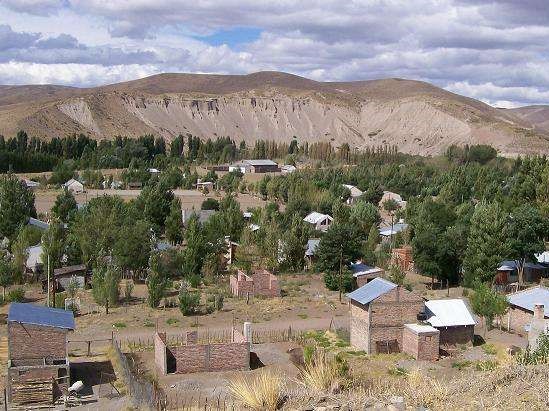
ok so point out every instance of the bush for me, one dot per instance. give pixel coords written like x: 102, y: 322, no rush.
x: 331, y: 280
x: 17, y: 295
x: 216, y: 301
x: 263, y: 392
x: 60, y: 300
x: 188, y: 302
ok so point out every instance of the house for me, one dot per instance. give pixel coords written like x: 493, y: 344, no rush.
x: 254, y: 227
x: 34, y: 262
x: 355, y: 193
x: 364, y: 273
x: 388, y: 232
x: 262, y: 282
x: 255, y: 166
x: 402, y: 257
x: 37, y: 353
x: 310, y: 258
x: 154, y: 171
x: 539, y: 325
x: 74, y: 186
x: 379, y: 310
x: 319, y: 221
x: 507, y: 272
x: 203, y: 215
x: 64, y: 275
x: 204, y: 186
x: 453, y: 319
x: 287, y: 169
x: 41, y: 225
x: 389, y: 195
x: 421, y: 341
x: 31, y: 184
x: 521, y: 308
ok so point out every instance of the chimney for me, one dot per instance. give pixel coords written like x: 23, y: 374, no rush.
x: 539, y: 311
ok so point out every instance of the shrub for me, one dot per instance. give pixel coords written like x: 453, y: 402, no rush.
x: 216, y: 301
x: 128, y: 290
x: 16, y: 295
x: 264, y: 392
x: 538, y: 356
x: 188, y: 301
x: 322, y: 373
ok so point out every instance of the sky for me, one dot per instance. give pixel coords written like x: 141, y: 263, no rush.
x: 495, y: 51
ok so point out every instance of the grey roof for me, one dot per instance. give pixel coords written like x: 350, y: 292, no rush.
x: 203, y: 215
x: 448, y: 313
x: 260, y: 162
x: 513, y: 265
x: 374, y: 289
x: 42, y: 225
x: 39, y: 315
x: 526, y: 299
x: 312, y: 244
x: 397, y: 228
x: 360, y: 269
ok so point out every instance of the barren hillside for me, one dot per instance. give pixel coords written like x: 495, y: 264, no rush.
x: 538, y: 116
x: 416, y: 116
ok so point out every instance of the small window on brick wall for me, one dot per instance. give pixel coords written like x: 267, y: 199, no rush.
x: 427, y: 338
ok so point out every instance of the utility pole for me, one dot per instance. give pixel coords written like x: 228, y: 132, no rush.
x: 340, y: 271
x: 48, y: 299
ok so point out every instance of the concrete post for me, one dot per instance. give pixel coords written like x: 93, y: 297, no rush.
x: 248, y: 332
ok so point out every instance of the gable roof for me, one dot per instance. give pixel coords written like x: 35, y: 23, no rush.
x: 374, y: 289
x: 315, y: 217
x: 71, y: 182
x: 260, y: 162
x: 526, y: 299
x: 39, y: 315
x: 355, y: 191
x: 448, y: 313
x: 397, y: 228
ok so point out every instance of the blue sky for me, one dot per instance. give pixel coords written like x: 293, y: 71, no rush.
x: 496, y: 51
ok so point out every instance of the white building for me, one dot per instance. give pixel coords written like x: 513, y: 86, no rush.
x: 355, y: 193
x: 34, y: 258
x: 319, y: 221
x: 74, y: 186
x: 389, y: 195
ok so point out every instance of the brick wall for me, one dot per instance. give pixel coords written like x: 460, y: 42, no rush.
x: 388, y: 314
x: 160, y: 353
x: 422, y: 346
x: 262, y: 282
x: 403, y: 257
x: 516, y: 318
x: 241, y: 285
x: 27, y: 341
x: 22, y: 374
x: 457, y: 335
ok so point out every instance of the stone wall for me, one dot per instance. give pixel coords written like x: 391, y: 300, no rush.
x: 516, y: 319
x: 359, y: 326
x: 456, y: 335
x: 420, y: 345
x: 33, y: 342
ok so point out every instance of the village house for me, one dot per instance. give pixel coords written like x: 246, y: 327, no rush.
x: 421, y: 341
x: 37, y: 353
x: 287, y: 169
x: 389, y: 195
x: 388, y: 232
x: 364, y: 273
x: 453, y: 319
x: 204, y: 186
x: 310, y: 258
x: 507, y: 272
x: 538, y: 326
x: 74, y: 186
x: 355, y: 193
x: 521, y: 308
x: 379, y: 310
x: 319, y: 221
x: 41, y: 225
x: 261, y: 282
x: 402, y: 257
x: 62, y: 276
x: 255, y: 166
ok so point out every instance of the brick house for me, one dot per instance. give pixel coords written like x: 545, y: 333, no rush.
x: 379, y: 311
x: 521, y: 308
x: 453, y: 319
x: 261, y: 282
x: 421, y: 341
x: 364, y: 273
x: 37, y: 352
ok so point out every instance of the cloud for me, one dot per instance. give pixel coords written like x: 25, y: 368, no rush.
x: 497, y: 51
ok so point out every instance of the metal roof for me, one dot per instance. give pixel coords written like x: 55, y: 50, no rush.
x: 374, y: 289
x: 421, y: 328
x: 512, y: 265
x: 315, y: 217
x: 397, y: 228
x: 260, y: 162
x: 448, y: 313
x: 543, y: 257
x: 526, y: 299
x: 359, y: 268
x: 39, y: 315
x: 38, y: 223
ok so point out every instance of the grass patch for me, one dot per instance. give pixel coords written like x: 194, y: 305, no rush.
x: 119, y: 325
x: 398, y: 371
x: 263, y: 392
x: 462, y: 364
x: 490, y: 349
x: 487, y: 365
x: 303, y: 316
x: 172, y: 321
x: 148, y: 323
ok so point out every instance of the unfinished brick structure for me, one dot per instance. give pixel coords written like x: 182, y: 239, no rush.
x: 261, y: 282
x: 193, y: 357
x: 37, y: 348
x: 521, y: 308
x: 402, y: 257
x: 421, y: 341
x: 379, y: 311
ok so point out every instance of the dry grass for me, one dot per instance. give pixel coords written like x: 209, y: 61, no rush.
x: 321, y: 374
x: 120, y: 384
x: 262, y: 392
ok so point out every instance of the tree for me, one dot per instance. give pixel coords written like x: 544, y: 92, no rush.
x: 155, y: 203
x: 64, y: 205
x: 210, y: 204
x: 16, y: 205
x: 487, y: 244
x: 487, y: 303
x: 174, y: 223
x: 189, y: 301
x: 132, y: 247
x: 396, y: 274
x: 526, y: 230
x: 105, y: 283
x: 294, y: 242
x: 365, y: 215
x: 193, y: 255
x: 371, y: 245
x: 6, y: 274
x: 157, y: 281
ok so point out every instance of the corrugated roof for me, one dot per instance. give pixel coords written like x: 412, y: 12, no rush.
x: 374, y: 289
x: 39, y: 315
x: 315, y: 217
x: 260, y: 162
x: 359, y: 268
x: 448, y: 313
x: 526, y: 299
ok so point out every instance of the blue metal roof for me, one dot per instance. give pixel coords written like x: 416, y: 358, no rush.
x: 526, y: 299
x: 39, y: 315
x: 374, y: 289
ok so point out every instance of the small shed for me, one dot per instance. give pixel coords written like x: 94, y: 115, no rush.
x: 34, y: 263
x: 38, y: 365
x: 521, y: 307
x: 74, y: 186
x: 355, y: 193
x: 363, y: 273
x: 453, y: 319
x: 41, y: 225
x: 319, y: 221
x: 421, y: 341
x: 312, y: 244
x: 64, y: 275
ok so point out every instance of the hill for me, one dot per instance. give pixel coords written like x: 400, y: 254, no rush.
x: 416, y: 116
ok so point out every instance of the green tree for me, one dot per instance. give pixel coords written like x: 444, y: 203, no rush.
x: 155, y: 202
x: 487, y: 303
x: 526, y: 230
x: 193, y: 255
x: 174, y: 223
x: 132, y: 247
x: 157, y: 281
x: 105, y: 283
x: 365, y: 215
x: 397, y: 274
x: 189, y: 301
x: 65, y: 204
x: 6, y: 274
x: 16, y: 205
x: 371, y: 245
x: 487, y: 244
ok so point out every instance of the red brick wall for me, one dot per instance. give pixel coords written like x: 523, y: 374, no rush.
x: 402, y: 257
x: 241, y: 285
x: 387, y: 317
x: 265, y: 284
x: 422, y: 346
x: 27, y: 341
x: 519, y: 318
x: 211, y: 357
x: 457, y: 335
